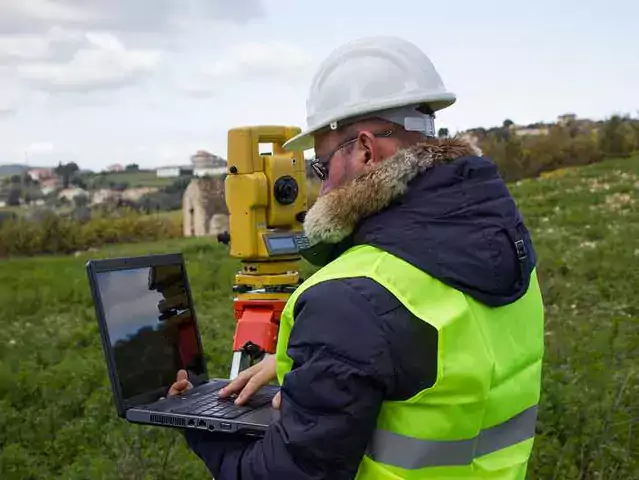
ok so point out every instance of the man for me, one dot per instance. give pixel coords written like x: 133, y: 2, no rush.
x: 415, y: 352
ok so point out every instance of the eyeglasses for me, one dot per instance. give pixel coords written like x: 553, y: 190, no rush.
x: 320, y: 164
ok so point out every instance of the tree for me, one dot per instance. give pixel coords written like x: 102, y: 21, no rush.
x: 79, y: 181
x: 442, y: 133
x: 66, y: 171
x: 14, y: 197
x: 508, y: 123
x: 618, y: 137
x: 26, y: 179
x: 132, y: 167
x: 178, y: 185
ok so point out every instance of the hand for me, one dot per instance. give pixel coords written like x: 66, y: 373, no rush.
x: 251, y: 380
x: 181, y: 385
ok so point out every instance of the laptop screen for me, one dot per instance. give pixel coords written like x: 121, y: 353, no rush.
x: 151, y: 327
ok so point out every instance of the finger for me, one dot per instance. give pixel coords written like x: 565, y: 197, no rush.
x: 182, y: 375
x: 178, y: 387
x: 237, y: 383
x: 253, y: 385
x: 235, y: 386
x: 277, y: 401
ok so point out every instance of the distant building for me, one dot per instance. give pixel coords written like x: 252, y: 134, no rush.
x: 39, y: 174
x: 104, y: 195
x: 134, y: 194
x: 531, y: 131
x: 70, y: 193
x: 168, y: 172
x: 566, y: 119
x: 207, y: 164
x: 204, y: 209
x: 116, y: 167
x: 49, y: 185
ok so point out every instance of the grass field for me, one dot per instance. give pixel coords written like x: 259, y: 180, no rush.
x: 12, y: 209
x: 139, y: 179
x: 58, y: 421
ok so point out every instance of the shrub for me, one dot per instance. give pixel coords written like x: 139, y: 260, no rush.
x: 519, y: 157
x: 56, y: 234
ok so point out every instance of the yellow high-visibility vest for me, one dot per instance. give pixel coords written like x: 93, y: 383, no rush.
x: 478, y: 419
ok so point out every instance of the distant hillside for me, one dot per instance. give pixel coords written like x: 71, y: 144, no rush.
x: 12, y: 169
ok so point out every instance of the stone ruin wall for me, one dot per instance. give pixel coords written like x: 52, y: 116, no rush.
x: 204, y: 208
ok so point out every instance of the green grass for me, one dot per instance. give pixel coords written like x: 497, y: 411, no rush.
x: 175, y: 215
x: 139, y: 179
x: 586, y: 229
x: 58, y: 420
x: 12, y: 209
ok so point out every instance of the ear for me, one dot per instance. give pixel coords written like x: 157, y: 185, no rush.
x: 367, y: 152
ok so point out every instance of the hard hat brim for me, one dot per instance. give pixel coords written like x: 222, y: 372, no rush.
x: 305, y: 140
x: 301, y: 141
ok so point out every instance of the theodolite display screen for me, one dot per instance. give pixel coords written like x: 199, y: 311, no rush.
x: 285, y: 243
x: 282, y: 244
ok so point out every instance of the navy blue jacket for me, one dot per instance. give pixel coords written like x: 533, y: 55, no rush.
x: 354, y: 345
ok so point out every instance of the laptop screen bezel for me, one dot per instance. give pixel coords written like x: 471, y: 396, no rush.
x: 94, y: 267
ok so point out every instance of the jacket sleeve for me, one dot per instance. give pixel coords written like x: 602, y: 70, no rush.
x: 330, y: 399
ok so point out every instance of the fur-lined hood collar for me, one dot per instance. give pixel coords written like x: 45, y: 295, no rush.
x: 335, y: 215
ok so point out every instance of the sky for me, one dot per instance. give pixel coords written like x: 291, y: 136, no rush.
x: 152, y: 81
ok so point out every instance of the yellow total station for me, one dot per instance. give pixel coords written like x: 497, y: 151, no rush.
x: 266, y: 198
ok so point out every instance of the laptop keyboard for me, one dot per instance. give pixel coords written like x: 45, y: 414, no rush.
x: 212, y: 405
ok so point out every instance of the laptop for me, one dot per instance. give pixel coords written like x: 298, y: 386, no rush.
x: 149, y: 331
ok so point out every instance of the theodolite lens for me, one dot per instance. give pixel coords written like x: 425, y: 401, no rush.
x: 285, y: 190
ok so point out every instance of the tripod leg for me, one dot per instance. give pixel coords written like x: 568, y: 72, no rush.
x: 241, y: 361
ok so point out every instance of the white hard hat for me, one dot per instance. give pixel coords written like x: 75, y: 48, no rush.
x: 372, y: 75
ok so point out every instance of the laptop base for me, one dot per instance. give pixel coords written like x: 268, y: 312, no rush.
x: 174, y: 412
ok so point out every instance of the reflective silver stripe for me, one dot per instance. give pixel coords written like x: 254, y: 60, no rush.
x: 412, y: 453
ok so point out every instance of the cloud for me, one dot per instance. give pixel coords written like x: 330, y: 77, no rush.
x: 56, y: 43
x: 251, y: 62
x: 69, y: 46
x: 103, y: 62
x: 10, y: 96
x: 81, y: 45
x: 121, y: 15
x: 39, y: 148
x: 258, y: 60
x: 13, y: 14
x: 23, y: 47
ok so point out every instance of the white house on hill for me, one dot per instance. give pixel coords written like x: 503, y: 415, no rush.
x: 177, y: 171
x: 205, y: 163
